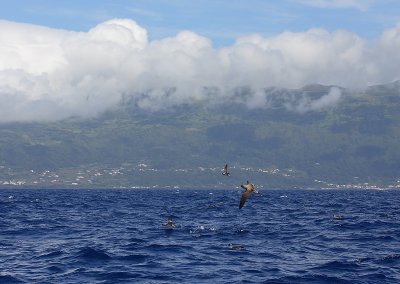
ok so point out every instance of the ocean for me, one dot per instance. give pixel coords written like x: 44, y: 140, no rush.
x: 279, y: 236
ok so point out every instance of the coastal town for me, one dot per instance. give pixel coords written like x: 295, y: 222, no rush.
x: 139, y: 176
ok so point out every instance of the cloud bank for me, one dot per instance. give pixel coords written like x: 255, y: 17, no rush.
x: 49, y: 74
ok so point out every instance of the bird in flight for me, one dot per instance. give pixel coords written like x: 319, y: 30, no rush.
x: 249, y: 188
x: 225, y: 172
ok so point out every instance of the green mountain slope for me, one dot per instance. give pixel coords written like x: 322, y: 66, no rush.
x: 354, y: 141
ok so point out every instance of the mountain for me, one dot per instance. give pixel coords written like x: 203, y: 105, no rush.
x: 316, y: 136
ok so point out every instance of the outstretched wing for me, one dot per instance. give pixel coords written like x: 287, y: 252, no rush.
x: 248, y: 186
x: 251, y: 187
x: 244, y: 198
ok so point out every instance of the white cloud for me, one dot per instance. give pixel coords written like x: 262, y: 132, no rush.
x: 48, y: 74
x: 295, y: 59
x: 305, y: 103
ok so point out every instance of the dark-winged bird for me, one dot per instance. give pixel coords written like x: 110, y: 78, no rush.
x: 237, y: 247
x: 225, y: 172
x: 169, y: 224
x: 249, y: 188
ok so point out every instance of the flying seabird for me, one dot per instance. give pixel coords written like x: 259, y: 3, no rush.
x: 225, y: 172
x: 249, y: 188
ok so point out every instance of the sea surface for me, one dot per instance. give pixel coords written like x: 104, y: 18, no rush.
x: 117, y: 236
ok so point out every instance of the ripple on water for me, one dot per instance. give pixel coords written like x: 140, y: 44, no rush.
x: 92, y: 254
x: 53, y: 254
x: 134, y: 258
x: 9, y: 279
x: 55, y: 269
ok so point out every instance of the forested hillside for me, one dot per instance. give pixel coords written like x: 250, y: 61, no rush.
x: 289, y: 143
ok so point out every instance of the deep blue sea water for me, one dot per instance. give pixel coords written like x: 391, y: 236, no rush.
x: 116, y: 236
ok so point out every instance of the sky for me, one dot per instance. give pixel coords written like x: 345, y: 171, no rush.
x: 79, y: 58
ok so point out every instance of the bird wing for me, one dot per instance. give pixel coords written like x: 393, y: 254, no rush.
x: 244, y: 198
x: 251, y: 187
x: 248, y: 186
x: 226, y: 168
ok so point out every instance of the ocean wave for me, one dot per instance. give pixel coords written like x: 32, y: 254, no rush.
x: 90, y: 253
x: 390, y: 259
x: 10, y: 279
x: 53, y: 254
x: 101, y: 236
x: 134, y: 258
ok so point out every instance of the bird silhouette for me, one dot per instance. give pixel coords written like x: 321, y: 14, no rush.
x: 249, y: 188
x: 225, y: 172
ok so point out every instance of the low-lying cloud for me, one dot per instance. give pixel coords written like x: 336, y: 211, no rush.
x: 49, y: 74
x: 304, y: 103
